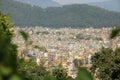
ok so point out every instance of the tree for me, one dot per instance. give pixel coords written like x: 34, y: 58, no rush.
x: 60, y: 73
x: 8, y: 50
x: 106, y: 64
x: 24, y: 35
x: 115, y: 32
x: 31, y: 71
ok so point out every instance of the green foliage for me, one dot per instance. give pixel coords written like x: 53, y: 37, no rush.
x: 84, y: 74
x: 115, y: 32
x: 15, y: 77
x: 66, y: 16
x: 5, y: 70
x: 106, y: 64
x: 24, y: 35
x: 36, y: 47
x: 49, y: 77
x: 60, y: 73
x: 31, y: 71
x: 8, y: 50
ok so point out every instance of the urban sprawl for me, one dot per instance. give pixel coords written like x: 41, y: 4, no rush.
x: 51, y: 47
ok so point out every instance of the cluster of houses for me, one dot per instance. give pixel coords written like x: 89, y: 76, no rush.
x: 63, y: 45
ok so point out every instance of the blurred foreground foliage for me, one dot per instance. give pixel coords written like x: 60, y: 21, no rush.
x: 84, y: 74
x: 115, y: 32
x: 30, y: 71
x: 8, y: 50
x: 106, y: 64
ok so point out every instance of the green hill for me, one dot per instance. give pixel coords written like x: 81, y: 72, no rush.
x: 66, y: 16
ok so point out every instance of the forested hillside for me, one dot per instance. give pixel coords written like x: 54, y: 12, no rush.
x: 66, y: 16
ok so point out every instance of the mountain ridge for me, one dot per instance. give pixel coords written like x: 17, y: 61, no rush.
x: 112, y: 5
x: 67, y: 16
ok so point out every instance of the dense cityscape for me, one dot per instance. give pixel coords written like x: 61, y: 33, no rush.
x: 64, y: 45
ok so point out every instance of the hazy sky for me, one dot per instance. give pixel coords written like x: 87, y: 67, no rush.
x: 77, y: 1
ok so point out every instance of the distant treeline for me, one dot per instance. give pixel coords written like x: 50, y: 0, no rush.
x: 67, y: 16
